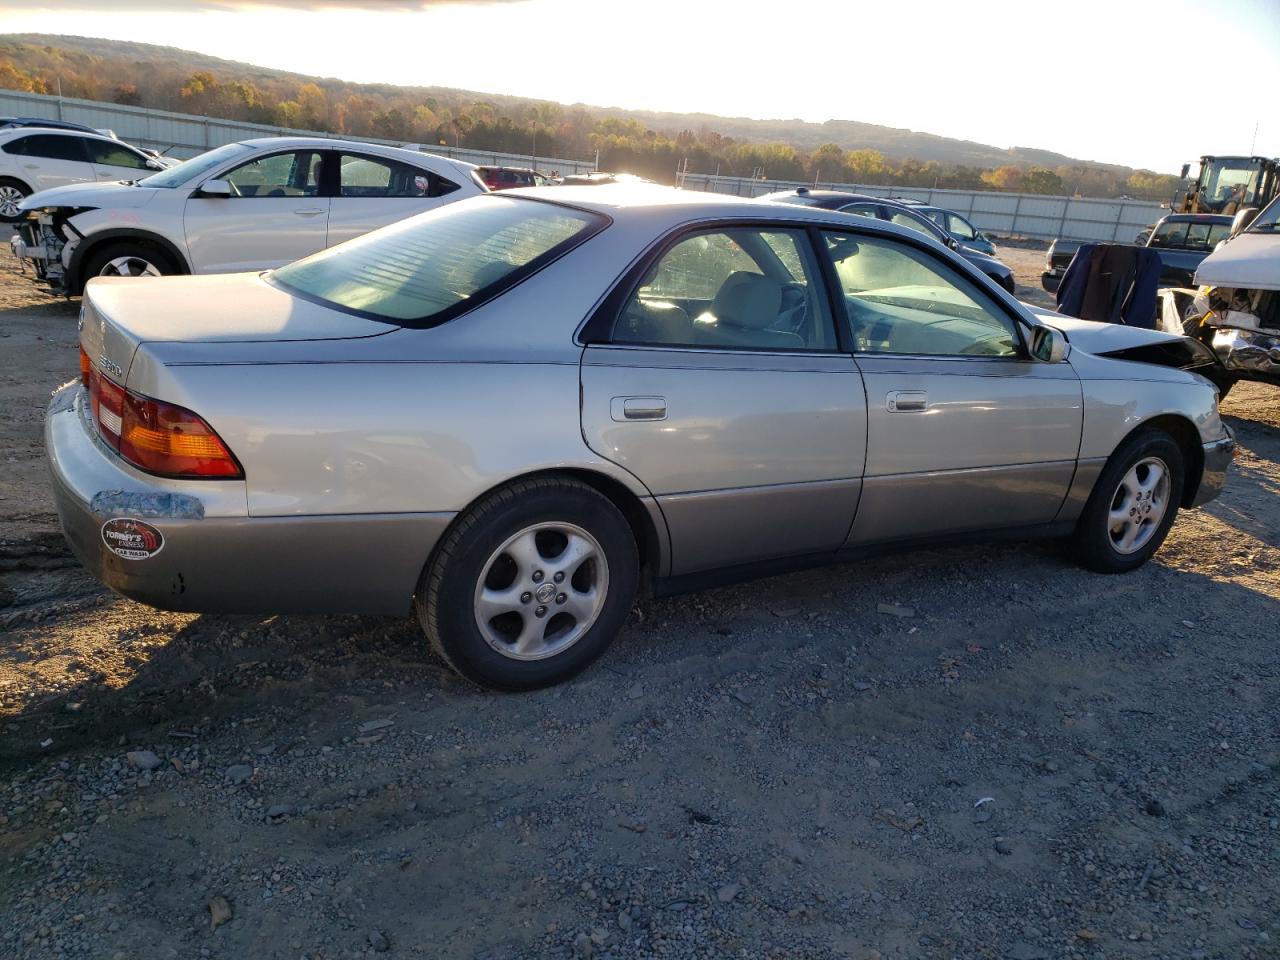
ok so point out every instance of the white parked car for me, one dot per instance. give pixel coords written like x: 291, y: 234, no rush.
x: 38, y: 158
x: 254, y: 205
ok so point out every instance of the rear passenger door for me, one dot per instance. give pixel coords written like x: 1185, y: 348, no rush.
x: 719, y: 383
x: 375, y: 191
x: 275, y: 215
x: 48, y: 160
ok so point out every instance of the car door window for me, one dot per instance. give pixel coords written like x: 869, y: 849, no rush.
x: 1198, y: 236
x: 50, y: 146
x: 904, y: 219
x: 280, y: 175
x: 860, y: 209
x: 1170, y: 234
x: 115, y: 155
x: 959, y: 227
x: 903, y: 301
x: 735, y: 289
x: 364, y: 176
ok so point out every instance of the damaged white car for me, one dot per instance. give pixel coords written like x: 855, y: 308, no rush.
x: 1236, y: 309
x: 253, y: 205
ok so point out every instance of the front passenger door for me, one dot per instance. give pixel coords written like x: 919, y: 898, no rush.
x: 965, y: 431
x: 275, y: 215
x: 721, y: 386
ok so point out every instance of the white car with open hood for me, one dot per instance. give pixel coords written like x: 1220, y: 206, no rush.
x: 253, y: 205
x: 1239, y: 299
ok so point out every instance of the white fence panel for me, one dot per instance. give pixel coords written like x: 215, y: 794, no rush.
x: 1003, y: 214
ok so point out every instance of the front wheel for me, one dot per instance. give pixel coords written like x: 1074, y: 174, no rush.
x: 1133, y: 504
x: 530, y: 585
x: 128, y: 259
x: 12, y: 193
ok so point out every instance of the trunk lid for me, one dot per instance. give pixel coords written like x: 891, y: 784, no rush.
x: 118, y: 314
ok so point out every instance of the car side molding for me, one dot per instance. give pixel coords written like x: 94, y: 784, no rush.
x: 724, y: 576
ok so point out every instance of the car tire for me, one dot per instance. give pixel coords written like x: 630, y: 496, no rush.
x: 530, y: 585
x: 131, y: 258
x: 12, y: 193
x: 1131, y: 509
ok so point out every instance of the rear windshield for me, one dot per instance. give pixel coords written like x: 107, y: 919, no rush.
x: 431, y: 267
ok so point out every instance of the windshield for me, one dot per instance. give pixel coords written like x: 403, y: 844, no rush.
x: 1268, y: 221
x: 424, y: 270
x: 198, y: 166
x: 1226, y: 181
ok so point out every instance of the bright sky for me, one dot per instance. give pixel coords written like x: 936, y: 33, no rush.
x: 1147, y: 83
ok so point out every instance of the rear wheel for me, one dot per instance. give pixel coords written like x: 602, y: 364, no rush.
x: 530, y: 585
x: 12, y: 193
x: 129, y: 259
x: 1133, y: 504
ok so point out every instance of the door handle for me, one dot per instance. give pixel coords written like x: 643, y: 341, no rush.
x: 906, y: 401
x: 309, y: 212
x: 623, y: 409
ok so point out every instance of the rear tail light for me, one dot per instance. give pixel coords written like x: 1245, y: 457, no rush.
x: 155, y: 436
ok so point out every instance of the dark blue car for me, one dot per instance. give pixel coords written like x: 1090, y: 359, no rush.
x: 882, y: 209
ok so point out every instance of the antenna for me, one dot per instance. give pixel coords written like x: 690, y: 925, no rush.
x: 1254, y: 142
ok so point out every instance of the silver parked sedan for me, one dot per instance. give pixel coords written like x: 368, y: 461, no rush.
x: 512, y: 413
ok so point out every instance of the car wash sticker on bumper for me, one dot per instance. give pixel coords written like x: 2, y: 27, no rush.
x: 132, y: 539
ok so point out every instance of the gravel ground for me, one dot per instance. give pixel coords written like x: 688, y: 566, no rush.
x: 980, y: 752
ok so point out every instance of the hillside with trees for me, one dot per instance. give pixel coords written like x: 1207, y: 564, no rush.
x: 646, y: 143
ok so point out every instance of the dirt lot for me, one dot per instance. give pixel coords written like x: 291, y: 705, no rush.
x: 1022, y: 760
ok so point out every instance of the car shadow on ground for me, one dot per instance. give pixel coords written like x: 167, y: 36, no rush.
x: 151, y: 677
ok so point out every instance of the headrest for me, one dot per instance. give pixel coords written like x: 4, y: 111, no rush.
x: 748, y: 300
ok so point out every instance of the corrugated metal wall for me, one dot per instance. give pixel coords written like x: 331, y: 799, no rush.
x: 1004, y: 214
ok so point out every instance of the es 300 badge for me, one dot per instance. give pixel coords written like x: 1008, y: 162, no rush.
x: 132, y: 539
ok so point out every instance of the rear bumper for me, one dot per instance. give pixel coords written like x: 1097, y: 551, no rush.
x: 1217, y: 457
x: 365, y: 563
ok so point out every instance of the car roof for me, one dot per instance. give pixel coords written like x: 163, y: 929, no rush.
x: 337, y: 143
x: 1220, y: 218
x: 45, y: 122
x: 8, y: 133
x: 659, y: 208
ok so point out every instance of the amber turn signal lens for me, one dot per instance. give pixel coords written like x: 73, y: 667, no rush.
x: 158, y: 437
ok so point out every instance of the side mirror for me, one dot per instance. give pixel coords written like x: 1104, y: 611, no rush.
x: 154, y: 164
x: 1242, y: 219
x: 1049, y: 345
x: 214, y: 188
x: 1186, y: 168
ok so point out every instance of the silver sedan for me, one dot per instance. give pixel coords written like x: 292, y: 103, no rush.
x: 514, y: 413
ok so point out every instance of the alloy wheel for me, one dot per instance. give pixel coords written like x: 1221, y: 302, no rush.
x: 541, y: 591
x: 10, y: 199
x: 1139, y: 505
x: 129, y: 267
